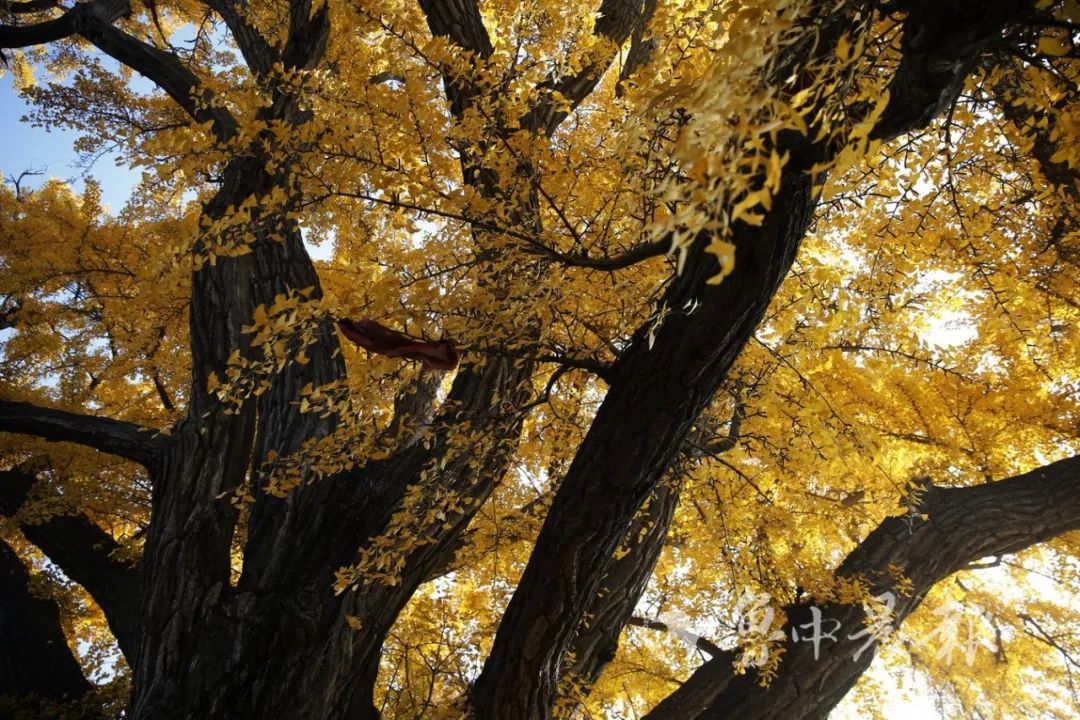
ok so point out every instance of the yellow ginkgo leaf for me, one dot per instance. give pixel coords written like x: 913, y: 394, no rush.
x: 1053, y: 46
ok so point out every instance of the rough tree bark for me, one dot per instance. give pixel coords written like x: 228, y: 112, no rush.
x: 277, y: 644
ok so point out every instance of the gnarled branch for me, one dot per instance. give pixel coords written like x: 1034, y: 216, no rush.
x: 961, y: 526
x: 115, y: 437
x: 85, y: 553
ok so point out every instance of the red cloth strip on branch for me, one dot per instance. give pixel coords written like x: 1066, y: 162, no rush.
x: 377, y: 338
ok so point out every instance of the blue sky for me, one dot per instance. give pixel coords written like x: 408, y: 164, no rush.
x: 24, y: 147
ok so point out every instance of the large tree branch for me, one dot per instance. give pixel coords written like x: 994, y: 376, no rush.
x: 942, y: 43
x: 34, y: 654
x: 613, y: 606
x: 308, y: 34
x: 94, y: 22
x: 85, y: 553
x: 18, y: 36
x: 354, y: 509
x: 257, y: 53
x: 115, y: 437
x: 650, y: 407
x: 615, y: 22
x: 461, y: 22
x: 27, y: 6
x: 961, y: 526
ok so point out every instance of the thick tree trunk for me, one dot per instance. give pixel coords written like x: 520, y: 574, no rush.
x: 656, y: 395
x: 193, y: 657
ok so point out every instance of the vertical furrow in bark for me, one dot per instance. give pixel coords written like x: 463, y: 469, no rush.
x: 609, y: 612
x: 275, y: 546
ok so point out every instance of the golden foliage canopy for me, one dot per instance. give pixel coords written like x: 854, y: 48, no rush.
x: 584, y: 203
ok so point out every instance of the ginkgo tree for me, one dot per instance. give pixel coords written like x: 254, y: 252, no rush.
x: 691, y: 354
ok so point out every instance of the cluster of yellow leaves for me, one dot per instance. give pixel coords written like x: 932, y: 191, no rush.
x: 280, y: 333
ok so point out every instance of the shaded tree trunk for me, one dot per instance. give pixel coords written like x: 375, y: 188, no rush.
x: 34, y: 655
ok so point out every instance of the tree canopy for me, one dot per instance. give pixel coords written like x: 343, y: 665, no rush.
x: 663, y: 358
